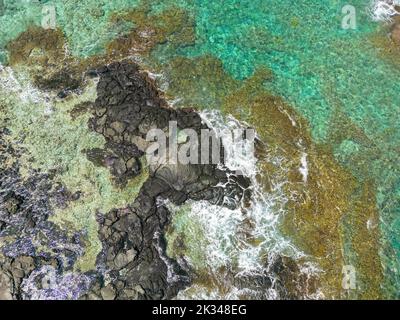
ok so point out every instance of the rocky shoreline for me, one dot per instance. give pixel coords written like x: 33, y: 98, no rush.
x: 41, y: 258
x: 133, y: 263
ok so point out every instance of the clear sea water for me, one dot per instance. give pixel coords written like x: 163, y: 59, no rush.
x: 319, y: 68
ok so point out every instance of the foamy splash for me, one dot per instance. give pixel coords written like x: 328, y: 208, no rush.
x: 27, y: 93
x: 246, y: 240
x: 384, y: 10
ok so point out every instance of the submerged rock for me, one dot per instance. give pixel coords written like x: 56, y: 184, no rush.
x: 127, y: 107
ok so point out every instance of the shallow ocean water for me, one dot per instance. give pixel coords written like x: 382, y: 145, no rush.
x: 321, y: 69
x: 338, y: 80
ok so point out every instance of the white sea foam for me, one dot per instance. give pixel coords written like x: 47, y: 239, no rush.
x: 384, y: 10
x: 230, y: 233
x: 27, y: 93
x: 246, y: 239
x: 304, y: 167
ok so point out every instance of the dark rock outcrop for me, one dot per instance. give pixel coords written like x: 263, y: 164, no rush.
x: 133, y: 256
x: 133, y: 263
x: 127, y: 107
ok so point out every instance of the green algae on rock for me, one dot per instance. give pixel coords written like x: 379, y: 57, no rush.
x: 200, y: 82
x: 206, y: 51
x: 315, y: 214
x: 185, y: 238
x: 33, y: 120
x: 285, y: 131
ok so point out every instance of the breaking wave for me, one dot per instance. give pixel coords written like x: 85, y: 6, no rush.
x: 246, y: 241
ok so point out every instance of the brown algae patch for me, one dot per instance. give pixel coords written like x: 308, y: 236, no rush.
x: 364, y: 234
x: 318, y: 205
x: 46, y: 55
x: 172, y: 25
x: 388, y: 46
x: 201, y: 83
x: 37, y: 45
x: 52, y: 67
x: 318, y: 202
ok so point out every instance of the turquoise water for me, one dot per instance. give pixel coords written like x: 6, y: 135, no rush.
x: 326, y: 73
x: 321, y: 69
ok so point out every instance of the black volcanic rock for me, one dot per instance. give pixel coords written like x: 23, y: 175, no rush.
x: 128, y: 105
x: 133, y: 263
